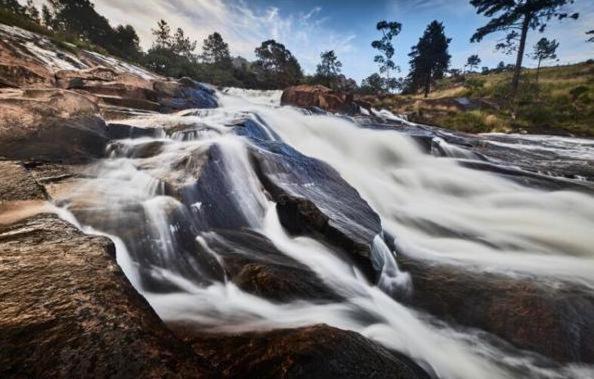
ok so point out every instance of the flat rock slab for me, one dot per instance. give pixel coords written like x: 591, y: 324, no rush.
x: 67, y: 310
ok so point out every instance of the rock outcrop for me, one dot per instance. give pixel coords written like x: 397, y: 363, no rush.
x: 317, y: 351
x: 50, y: 125
x: 531, y: 314
x: 318, y: 96
x: 67, y: 310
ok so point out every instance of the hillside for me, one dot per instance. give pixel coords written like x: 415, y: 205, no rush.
x: 561, y: 103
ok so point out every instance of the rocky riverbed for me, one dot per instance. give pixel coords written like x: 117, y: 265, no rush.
x: 158, y: 227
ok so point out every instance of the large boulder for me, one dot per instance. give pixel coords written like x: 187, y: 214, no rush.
x: 67, y: 310
x: 313, y: 199
x: 255, y: 265
x: 318, y: 96
x: 317, y: 351
x: 185, y: 93
x: 50, y: 125
x: 553, y: 320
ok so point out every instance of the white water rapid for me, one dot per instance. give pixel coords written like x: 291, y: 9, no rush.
x: 436, y: 210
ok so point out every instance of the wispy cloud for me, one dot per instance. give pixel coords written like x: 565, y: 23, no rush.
x: 305, y: 33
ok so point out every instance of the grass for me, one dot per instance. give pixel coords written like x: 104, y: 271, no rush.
x: 561, y: 102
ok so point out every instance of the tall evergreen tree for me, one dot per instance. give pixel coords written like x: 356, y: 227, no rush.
x: 216, y: 51
x: 517, y: 17
x: 544, y: 50
x: 429, y: 58
x: 126, y: 42
x: 183, y: 45
x: 277, y: 65
x: 386, y: 49
x: 473, y: 61
x: 162, y: 34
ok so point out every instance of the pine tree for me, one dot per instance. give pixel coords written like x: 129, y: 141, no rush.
x: 389, y: 30
x: 429, y: 58
x: 544, y: 50
x: 473, y: 61
x: 162, y: 35
x: 517, y: 17
x: 183, y: 45
x: 216, y: 51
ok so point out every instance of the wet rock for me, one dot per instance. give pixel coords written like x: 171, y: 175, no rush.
x: 123, y: 131
x: 67, y: 310
x: 554, y: 320
x: 50, y: 125
x: 129, y: 102
x: 312, y: 198
x: 184, y: 93
x: 256, y: 266
x: 318, y: 351
x: 308, y: 96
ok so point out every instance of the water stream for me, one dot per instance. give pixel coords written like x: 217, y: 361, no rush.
x: 436, y: 209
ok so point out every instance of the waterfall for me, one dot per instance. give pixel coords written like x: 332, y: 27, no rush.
x: 169, y: 201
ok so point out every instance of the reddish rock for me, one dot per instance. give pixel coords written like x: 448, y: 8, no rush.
x: 317, y: 351
x: 553, y: 320
x: 67, y: 310
x: 51, y: 125
x: 308, y: 96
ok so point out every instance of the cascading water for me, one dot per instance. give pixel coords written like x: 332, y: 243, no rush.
x: 167, y: 197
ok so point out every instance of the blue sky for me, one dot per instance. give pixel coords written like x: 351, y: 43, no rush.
x: 308, y: 27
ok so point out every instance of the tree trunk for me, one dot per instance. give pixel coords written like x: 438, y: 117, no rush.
x: 428, y: 84
x: 520, y: 57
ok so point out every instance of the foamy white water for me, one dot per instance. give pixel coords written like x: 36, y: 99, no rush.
x: 437, y: 210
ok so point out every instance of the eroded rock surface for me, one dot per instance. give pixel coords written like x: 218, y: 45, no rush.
x: 67, y: 310
x: 310, y: 96
x: 317, y: 351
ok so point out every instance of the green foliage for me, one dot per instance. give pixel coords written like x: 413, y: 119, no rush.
x: 473, y: 61
x: 328, y: 71
x: 512, y: 15
x: 386, y: 49
x: 429, y: 58
x: 276, y: 67
x: 216, y: 51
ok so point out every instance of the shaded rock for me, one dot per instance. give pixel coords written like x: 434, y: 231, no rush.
x: 50, y: 125
x: 67, y: 310
x: 123, y: 131
x: 16, y: 183
x: 129, y: 102
x: 553, y: 320
x: 318, y: 351
x: 184, y: 94
x: 312, y: 198
x: 256, y: 266
x: 307, y: 96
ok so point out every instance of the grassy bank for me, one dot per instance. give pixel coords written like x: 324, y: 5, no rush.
x: 561, y: 102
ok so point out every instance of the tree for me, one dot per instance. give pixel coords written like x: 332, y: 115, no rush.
x: 126, y: 42
x: 216, y: 51
x: 329, y: 69
x: 373, y: 84
x: 544, y: 50
x: 47, y: 16
x: 429, y: 58
x: 162, y: 35
x: 183, y: 45
x: 79, y: 18
x: 277, y: 65
x: 13, y: 6
x: 386, y: 50
x: 32, y: 11
x: 517, y: 17
x: 473, y: 61
x: 591, y: 32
